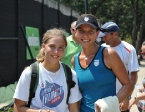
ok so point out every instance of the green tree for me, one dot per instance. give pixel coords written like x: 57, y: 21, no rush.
x: 128, y: 14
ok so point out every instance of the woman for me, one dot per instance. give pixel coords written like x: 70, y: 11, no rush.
x: 97, y: 67
x: 51, y: 76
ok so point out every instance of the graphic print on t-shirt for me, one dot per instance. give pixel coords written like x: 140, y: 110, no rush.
x: 51, y: 94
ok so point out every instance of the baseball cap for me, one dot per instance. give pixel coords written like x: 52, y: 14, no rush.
x: 87, y: 19
x: 108, y: 27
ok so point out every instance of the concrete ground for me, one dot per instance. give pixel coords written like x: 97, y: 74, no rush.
x: 141, y: 75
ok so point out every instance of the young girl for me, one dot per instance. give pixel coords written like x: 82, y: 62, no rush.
x: 51, y: 75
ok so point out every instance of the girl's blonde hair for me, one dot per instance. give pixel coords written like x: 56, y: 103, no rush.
x: 47, y: 36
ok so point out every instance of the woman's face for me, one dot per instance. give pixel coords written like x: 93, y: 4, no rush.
x: 143, y: 51
x: 54, y: 49
x: 86, y: 35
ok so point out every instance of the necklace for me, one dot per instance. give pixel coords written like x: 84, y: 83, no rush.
x: 87, y: 57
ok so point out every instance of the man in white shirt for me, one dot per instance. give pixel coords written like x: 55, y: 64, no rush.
x: 110, y: 35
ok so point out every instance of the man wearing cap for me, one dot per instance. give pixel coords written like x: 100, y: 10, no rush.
x: 109, y: 34
x: 97, y: 69
x: 72, y: 48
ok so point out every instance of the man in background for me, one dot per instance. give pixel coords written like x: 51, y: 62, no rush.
x: 110, y: 35
x: 73, y: 46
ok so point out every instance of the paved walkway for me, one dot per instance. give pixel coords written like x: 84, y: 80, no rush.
x: 141, y: 75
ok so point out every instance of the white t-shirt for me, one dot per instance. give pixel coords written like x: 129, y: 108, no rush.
x: 128, y: 56
x: 51, y: 92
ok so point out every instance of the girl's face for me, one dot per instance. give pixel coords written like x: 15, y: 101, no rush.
x: 54, y: 49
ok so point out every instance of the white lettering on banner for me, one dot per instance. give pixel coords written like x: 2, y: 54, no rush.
x: 33, y: 41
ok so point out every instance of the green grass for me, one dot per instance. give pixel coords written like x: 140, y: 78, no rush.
x: 10, y: 109
x: 7, y: 109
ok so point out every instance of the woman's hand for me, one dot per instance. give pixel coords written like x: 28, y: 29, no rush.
x: 124, y: 105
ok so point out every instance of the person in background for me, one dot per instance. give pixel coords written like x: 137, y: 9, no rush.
x: 51, y: 92
x: 110, y: 35
x: 141, y: 94
x: 136, y: 99
x: 143, y: 50
x: 142, y: 89
x: 72, y: 48
x: 97, y: 68
x: 141, y: 55
x: 139, y: 100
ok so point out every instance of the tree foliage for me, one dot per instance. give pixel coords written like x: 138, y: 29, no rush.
x: 128, y: 14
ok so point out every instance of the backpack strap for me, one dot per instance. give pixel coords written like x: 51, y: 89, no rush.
x: 34, y: 81
x: 69, y: 80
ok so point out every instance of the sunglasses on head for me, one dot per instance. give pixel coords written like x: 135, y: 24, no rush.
x: 107, y: 30
x: 142, y: 53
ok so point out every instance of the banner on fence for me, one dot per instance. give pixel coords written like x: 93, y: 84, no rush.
x: 32, y: 35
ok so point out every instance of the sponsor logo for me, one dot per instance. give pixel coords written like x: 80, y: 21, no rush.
x: 86, y: 19
x: 96, y: 62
